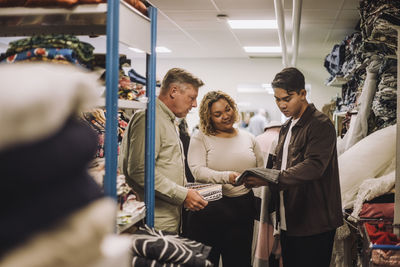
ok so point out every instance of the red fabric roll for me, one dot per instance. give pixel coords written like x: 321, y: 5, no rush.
x: 379, y: 236
x: 377, y: 210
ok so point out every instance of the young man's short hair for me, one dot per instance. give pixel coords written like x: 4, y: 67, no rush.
x: 289, y: 79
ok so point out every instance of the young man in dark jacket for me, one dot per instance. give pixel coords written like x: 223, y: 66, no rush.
x: 310, y: 201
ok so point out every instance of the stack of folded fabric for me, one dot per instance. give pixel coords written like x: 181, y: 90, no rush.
x: 158, y: 248
x: 377, y: 36
x: 53, y: 212
x: 47, y: 3
x: 139, y: 5
x: 59, y: 48
x: 382, y: 234
x: 129, y: 87
x: 379, y: 19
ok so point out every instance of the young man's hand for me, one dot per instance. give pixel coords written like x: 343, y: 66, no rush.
x: 252, y: 181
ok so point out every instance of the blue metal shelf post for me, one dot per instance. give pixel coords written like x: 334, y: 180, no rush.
x: 150, y: 121
x: 112, y: 77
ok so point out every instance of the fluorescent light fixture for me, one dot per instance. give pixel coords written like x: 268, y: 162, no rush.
x: 262, y: 49
x: 243, y: 104
x: 162, y: 49
x: 136, y: 50
x: 250, y: 88
x: 268, y: 88
x: 253, y: 24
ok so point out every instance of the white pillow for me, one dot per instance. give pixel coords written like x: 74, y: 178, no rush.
x: 366, y: 159
x: 37, y: 98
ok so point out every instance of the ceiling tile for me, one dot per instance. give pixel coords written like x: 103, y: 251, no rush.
x: 197, y: 32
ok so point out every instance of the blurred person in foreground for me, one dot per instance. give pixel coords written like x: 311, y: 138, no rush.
x: 310, y: 202
x: 177, y: 97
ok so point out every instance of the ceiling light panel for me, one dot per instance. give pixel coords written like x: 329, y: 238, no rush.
x: 136, y: 50
x: 255, y: 88
x: 162, y: 49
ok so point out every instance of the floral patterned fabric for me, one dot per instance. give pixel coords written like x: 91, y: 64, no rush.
x: 57, y: 54
x: 82, y: 51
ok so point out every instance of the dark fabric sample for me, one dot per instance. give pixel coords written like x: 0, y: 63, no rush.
x: 150, y: 246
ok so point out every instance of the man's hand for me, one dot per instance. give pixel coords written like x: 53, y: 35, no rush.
x: 252, y: 181
x: 194, y: 201
x: 232, y: 177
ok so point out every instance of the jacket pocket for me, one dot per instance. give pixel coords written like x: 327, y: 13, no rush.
x: 296, y: 154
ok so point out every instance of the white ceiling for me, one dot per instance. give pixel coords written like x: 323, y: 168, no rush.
x: 191, y: 29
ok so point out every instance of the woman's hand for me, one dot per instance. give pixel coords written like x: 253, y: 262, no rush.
x: 232, y: 177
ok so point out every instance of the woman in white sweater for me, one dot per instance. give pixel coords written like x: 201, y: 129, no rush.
x: 218, y: 153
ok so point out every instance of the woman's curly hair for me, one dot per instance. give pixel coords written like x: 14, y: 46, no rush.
x: 206, y: 125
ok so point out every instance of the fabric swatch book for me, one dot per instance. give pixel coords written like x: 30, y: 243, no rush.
x: 209, y: 192
x: 270, y: 175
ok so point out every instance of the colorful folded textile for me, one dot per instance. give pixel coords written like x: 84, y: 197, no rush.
x: 379, y: 236
x: 209, y: 192
x: 151, y: 247
x: 47, y: 3
x: 84, y: 51
x: 56, y: 54
x: 377, y: 210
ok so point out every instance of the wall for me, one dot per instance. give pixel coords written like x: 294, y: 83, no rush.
x: 225, y: 74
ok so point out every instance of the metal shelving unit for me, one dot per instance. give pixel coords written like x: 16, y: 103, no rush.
x: 116, y: 20
x: 125, y: 104
x: 137, y: 217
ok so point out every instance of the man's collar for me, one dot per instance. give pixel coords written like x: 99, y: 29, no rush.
x: 165, y: 109
x: 304, y: 117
